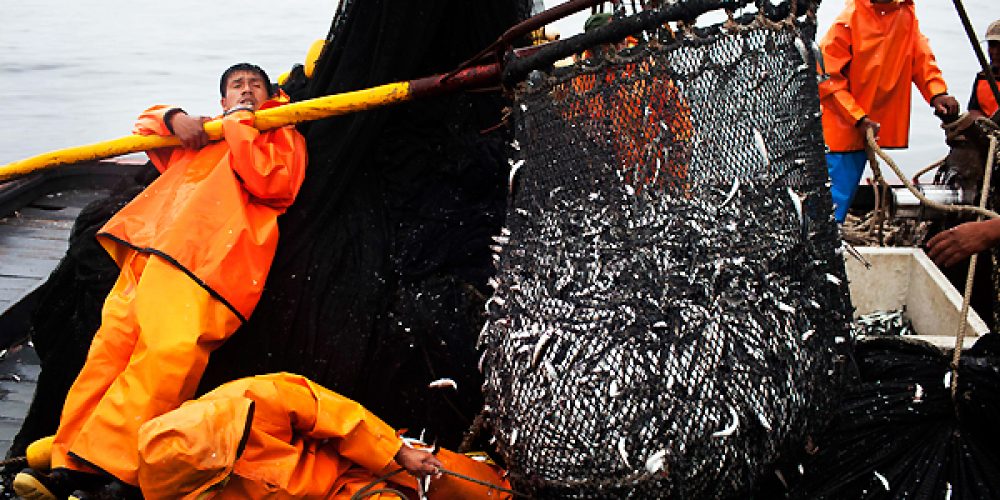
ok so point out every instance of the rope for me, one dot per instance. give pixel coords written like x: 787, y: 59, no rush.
x: 916, y: 177
x: 881, y: 200
x: 15, y: 461
x: 920, y: 196
x: 367, y: 491
x: 482, y: 483
x: 956, y: 356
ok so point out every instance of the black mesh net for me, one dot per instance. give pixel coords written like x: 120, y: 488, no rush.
x: 670, y: 303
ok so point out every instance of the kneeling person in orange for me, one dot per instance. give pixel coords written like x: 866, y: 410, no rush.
x: 283, y: 436
x: 194, y: 250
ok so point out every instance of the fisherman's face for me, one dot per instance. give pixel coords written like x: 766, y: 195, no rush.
x: 994, y: 49
x: 245, y: 88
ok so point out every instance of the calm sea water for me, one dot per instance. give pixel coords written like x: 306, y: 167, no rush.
x: 73, y: 72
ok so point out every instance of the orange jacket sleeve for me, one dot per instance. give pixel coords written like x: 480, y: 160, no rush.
x: 926, y: 73
x: 271, y: 165
x: 319, y: 413
x: 151, y: 122
x: 835, y: 92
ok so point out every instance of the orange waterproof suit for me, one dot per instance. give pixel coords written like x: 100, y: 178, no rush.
x: 982, y: 99
x: 283, y: 436
x: 872, y: 53
x: 194, y: 250
x: 647, y: 122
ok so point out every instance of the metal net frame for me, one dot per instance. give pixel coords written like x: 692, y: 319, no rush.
x: 671, y: 305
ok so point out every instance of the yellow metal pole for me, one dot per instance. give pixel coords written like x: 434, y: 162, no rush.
x: 312, y: 109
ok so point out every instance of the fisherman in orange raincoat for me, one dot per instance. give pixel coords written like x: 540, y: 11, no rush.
x: 982, y: 102
x: 194, y: 250
x: 872, y: 52
x: 283, y: 436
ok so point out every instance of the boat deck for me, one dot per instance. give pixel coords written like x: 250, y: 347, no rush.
x: 36, y: 216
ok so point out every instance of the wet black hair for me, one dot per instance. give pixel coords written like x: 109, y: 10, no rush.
x: 245, y: 67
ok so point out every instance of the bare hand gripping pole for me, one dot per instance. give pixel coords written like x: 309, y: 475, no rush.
x: 312, y: 109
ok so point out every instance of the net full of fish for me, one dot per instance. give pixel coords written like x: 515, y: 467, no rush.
x: 669, y: 285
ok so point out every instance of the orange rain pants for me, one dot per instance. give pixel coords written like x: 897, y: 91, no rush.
x: 146, y: 359
x: 283, y: 436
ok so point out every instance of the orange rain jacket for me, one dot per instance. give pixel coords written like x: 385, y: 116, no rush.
x: 650, y: 120
x: 982, y: 97
x: 283, y: 436
x: 213, y: 212
x: 872, y: 53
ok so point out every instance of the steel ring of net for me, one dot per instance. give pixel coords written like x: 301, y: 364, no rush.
x: 671, y: 302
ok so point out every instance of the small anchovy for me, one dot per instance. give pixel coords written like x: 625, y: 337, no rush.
x: 443, y: 383
x: 482, y: 333
x: 514, y: 167
x: 656, y: 462
x: 621, y: 450
x: 918, y: 394
x: 732, y: 192
x: 761, y: 146
x: 763, y: 421
x: 947, y: 379
x: 833, y: 279
x: 513, y: 437
x: 539, y: 349
x: 785, y: 307
x: 807, y: 334
x: 731, y: 428
x: 797, y: 202
x: 613, y: 390
x: 885, y: 482
x: 803, y: 51
x: 494, y: 299
x: 482, y: 358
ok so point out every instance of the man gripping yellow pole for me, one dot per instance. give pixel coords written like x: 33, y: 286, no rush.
x: 312, y: 109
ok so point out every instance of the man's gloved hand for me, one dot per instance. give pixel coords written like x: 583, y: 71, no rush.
x: 189, y: 130
x: 945, y: 105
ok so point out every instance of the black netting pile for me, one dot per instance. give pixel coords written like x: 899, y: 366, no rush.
x: 670, y: 305
x: 378, y: 283
x: 898, y: 434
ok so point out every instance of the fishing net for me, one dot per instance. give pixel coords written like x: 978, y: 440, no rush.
x: 899, y: 435
x: 670, y: 303
x: 380, y: 275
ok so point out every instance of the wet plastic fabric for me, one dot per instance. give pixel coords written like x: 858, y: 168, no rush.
x: 872, y: 53
x: 146, y: 359
x: 213, y: 212
x: 983, y: 97
x: 845, y: 170
x: 299, y: 440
